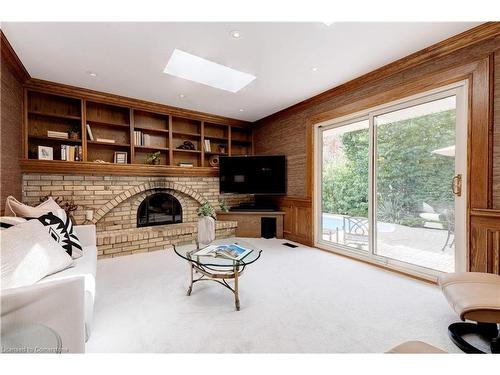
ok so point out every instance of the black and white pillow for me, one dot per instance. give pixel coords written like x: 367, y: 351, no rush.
x: 60, y: 230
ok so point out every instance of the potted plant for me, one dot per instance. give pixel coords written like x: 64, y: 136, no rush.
x: 222, y: 205
x: 74, y: 132
x: 153, y: 158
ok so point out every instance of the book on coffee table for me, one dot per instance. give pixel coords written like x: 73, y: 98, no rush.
x: 233, y: 251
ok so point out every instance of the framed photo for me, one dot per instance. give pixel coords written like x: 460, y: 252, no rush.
x: 45, y: 153
x: 120, y: 157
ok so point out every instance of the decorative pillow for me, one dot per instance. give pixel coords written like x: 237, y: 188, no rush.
x: 28, y: 254
x: 18, y: 209
x: 15, y: 208
x: 62, y: 232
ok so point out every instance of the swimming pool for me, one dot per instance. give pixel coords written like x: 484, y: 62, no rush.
x: 332, y: 222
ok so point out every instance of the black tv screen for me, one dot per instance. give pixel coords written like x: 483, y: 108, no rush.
x: 253, y: 174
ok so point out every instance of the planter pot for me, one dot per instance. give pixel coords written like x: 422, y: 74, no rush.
x: 206, y: 230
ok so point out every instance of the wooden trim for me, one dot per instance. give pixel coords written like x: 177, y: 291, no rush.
x: 91, y: 168
x: 12, y: 59
x: 485, y: 213
x: 102, y: 97
x: 470, y: 37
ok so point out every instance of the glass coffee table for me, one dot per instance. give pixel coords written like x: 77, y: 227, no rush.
x: 218, y: 269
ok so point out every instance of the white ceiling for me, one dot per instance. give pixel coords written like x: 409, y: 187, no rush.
x: 129, y: 58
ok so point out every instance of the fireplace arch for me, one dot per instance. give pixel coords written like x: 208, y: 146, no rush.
x: 159, y: 209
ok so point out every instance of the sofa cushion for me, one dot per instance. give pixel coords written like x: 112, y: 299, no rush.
x: 15, y: 208
x: 58, y: 224
x: 28, y: 254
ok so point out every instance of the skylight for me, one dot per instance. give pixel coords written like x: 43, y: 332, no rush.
x: 197, y: 69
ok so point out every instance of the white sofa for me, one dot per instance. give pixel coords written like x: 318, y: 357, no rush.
x: 63, y: 301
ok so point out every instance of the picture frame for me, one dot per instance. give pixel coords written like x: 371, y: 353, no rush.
x: 120, y: 157
x: 45, y: 153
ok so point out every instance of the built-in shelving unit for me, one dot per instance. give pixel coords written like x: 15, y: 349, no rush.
x: 182, y: 141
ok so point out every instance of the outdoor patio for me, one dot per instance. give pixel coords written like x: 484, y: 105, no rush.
x: 415, y: 245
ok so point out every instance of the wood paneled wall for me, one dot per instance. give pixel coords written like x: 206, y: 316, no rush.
x: 292, y: 127
x: 12, y: 78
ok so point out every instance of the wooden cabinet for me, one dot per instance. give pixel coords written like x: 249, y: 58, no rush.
x: 184, y: 139
x: 249, y: 222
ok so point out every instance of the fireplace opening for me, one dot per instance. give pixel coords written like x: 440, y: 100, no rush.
x: 159, y: 209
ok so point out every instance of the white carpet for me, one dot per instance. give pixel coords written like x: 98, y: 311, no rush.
x: 300, y: 300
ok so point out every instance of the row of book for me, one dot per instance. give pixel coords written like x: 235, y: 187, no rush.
x: 141, y: 139
x: 71, y: 153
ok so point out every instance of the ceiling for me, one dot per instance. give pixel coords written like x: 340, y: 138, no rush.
x: 129, y: 58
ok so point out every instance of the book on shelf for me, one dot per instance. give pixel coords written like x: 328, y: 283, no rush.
x: 89, y: 132
x: 55, y: 134
x: 208, y: 147
x: 232, y: 251
x: 105, y: 140
x: 71, y: 153
x: 142, y: 139
x: 185, y: 164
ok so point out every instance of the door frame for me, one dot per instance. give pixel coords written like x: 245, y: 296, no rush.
x: 461, y: 90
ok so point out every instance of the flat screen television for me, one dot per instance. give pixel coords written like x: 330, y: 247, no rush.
x: 265, y: 175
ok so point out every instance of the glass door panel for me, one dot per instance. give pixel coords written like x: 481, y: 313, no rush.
x: 414, y: 169
x: 344, y: 185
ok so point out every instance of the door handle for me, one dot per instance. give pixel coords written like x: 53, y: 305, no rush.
x: 456, y: 185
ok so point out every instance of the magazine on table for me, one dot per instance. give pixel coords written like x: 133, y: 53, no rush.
x: 233, y: 251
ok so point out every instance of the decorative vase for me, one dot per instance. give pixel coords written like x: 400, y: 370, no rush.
x: 74, y: 135
x: 206, y: 230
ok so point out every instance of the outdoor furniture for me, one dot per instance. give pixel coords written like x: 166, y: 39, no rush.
x: 355, y: 230
x: 218, y: 269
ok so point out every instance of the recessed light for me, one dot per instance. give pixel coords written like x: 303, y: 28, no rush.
x: 92, y: 74
x: 235, y: 34
x: 242, y: 110
x: 197, y: 69
x: 182, y: 96
x: 314, y: 69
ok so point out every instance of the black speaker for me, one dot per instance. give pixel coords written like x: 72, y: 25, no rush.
x: 268, y: 227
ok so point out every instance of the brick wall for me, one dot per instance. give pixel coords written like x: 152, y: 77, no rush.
x: 114, y: 200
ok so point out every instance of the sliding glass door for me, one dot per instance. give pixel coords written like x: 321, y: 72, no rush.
x: 391, y: 183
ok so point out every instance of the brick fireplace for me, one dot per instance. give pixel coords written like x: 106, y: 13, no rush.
x: 113, y: 203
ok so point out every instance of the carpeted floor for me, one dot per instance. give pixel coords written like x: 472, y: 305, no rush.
x: 300, y: 300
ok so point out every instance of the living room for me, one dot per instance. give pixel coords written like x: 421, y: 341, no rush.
x: 338, y: 183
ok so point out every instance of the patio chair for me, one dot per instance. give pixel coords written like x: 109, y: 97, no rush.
x: 355, y: 230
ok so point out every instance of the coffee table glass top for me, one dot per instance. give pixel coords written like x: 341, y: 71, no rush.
x: 188, y: 251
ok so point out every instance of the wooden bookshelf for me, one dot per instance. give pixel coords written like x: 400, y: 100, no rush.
x: 158, y: 131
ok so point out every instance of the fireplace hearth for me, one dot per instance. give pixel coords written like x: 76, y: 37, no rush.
x: 159, y: 209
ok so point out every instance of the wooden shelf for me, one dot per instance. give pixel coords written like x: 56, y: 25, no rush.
x: 106, y: 123
x: 91, y: 168
x: 186, y: 134
x: 192, y: 151
x: 54, y: 115
x: 152, y: 148
x: 109, y: 144
x: 222, y: 139
x: 167, y: 128
x: 215, y: 153
x: 45, y: 138
x: 241, y: 141
x: 145, y: 128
